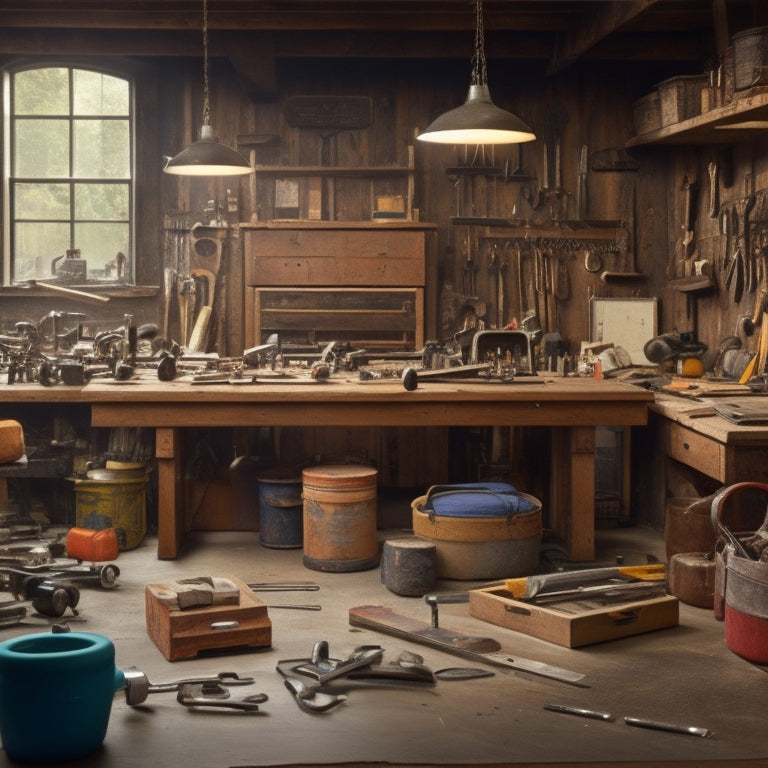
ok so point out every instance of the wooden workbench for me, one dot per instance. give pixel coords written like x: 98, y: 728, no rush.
x: 573, y: 408
x: 691, y: 434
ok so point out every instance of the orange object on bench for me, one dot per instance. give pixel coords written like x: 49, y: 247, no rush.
x: 11, y: 441
x: 93, y: 546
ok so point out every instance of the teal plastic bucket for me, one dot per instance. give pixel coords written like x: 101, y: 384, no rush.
x: 56, y: 693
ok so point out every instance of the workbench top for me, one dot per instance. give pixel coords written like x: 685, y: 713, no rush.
x: 700, y: 416
x: 537, y: 400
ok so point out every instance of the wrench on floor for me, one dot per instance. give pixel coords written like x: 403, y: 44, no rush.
x: 138, y: 687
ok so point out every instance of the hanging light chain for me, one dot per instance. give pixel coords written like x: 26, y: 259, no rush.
x: 206, y: 94
x: 479, y: 68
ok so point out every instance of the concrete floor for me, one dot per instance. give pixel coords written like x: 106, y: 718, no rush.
x: 683, y: 675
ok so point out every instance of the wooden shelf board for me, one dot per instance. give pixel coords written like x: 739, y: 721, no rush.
x: 333, y: 170
x: 716, y: 126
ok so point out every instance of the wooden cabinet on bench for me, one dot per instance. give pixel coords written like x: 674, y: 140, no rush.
x: 314, y: 282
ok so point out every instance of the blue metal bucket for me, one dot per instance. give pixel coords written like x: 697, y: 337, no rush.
x: 280, y: 509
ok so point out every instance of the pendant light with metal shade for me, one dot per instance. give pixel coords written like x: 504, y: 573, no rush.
x: 478, y: 120
x: 206, y: 157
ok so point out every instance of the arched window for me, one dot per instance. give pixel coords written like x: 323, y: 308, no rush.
x: 69, y: 164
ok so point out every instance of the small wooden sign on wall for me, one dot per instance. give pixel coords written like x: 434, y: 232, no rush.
x: 342, y: 112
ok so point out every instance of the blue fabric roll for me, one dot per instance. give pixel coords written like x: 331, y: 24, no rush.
x: 477, y: 500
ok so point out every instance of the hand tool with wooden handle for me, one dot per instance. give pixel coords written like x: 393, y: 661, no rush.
x: 169, y: 277
x: 199, y: 335
x: 484, y: 650
x: 72, y: 293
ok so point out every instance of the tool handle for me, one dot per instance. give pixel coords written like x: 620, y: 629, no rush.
x: 721, y: 496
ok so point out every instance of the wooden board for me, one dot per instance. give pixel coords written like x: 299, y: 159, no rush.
x: 341, y: 257
x: 183, y: 634
x: 573, y: 627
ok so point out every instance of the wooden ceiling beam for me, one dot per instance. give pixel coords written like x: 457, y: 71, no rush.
x: 296, y: 45
x: 603, y: 24
x: 553, y: 31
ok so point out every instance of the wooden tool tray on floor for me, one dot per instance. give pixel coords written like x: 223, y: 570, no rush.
x: 574, y: 623
x: 182, y: 634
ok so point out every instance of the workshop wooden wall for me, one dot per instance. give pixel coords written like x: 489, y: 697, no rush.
x: 521, y: 220
x: 499, y: 215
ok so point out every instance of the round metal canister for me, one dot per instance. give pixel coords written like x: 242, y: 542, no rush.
x: 746, y: 608
x: 280, y: 509
x: 340, y: 518
x: 118, y: 504
x: 409, y: 566
x: 480, y: 547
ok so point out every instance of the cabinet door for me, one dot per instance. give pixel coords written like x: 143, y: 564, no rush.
x: 385, y: 318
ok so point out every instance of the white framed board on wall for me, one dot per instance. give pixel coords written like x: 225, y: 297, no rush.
x: 627, y: 323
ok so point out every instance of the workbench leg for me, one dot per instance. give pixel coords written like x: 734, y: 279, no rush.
x: 170, y: 496
x: 572, y: 489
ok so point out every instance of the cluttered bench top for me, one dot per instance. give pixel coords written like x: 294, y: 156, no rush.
x: 729, y: 413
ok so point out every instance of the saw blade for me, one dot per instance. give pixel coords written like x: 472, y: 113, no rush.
x: 482, y: 650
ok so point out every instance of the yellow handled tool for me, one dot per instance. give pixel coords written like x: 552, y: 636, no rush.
x: 530, y: 586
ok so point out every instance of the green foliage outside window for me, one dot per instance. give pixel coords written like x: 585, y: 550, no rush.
x: 70, y: 184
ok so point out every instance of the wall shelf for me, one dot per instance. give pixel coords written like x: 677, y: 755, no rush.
x: 333, y: 170
x: 744, y: 118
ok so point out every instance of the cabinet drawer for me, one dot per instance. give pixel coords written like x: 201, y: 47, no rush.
x: 698, y: 451
x: 389, y: 318
x: 303, y: 257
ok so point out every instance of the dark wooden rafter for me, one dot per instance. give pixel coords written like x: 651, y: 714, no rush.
x: 557, y: 32
x: 605, y: 22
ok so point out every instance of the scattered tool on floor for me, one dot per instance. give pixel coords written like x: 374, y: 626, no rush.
x: 195, y: 696
x: 285, y: 586
x: 48, y: 596
x: 310, y: 698
x: 324, y: 669
x: 138, y: 686
x: 483, y: 650
x: 568, y: 709
x: 690, y: 730
x: 539, y: 584
x: 312, y: 681
x: 451, y: 598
